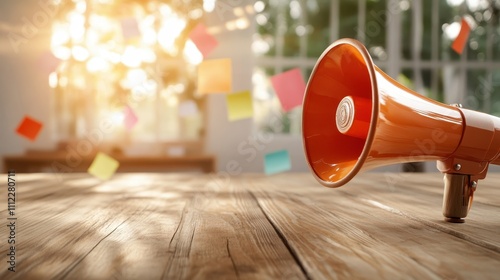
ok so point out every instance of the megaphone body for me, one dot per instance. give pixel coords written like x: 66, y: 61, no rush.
x: 356, y: 118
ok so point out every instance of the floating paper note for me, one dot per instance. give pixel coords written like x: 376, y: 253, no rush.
x: 203, y: 40
x: 48, y: 62
x: 29, y: 128
x: 130, y: 118
x: 459, y: 43
x: 214, y: 76
x: 130, y: 28
x: 290, y: 88
x: 103, y: 166
x: 277, y: 162
x: 188, y: 108
x: 239, y: 105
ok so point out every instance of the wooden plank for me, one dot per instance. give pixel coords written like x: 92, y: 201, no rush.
x: 144, y: 226
x: 420, y: 197
x: 338, y: 233
x: 224, y: 235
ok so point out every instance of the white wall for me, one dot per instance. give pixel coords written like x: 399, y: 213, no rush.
x: 23, y: 83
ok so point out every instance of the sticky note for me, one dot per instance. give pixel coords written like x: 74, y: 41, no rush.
x: 130, y: 117
x: 203, y: 40
x: 277, y: 162
x: 239, y: 105
x: 289, y: 87
x: 459, y: 43
x: 48, y: 62
x: 214, y: 76
x: 103, y: 166
x: 29, y: 128
x: 130, y: 28
x: 188, y: 108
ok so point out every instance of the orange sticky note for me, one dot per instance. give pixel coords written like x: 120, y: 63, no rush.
x: 214, y: 76
x: 289, y: 87
x: 459, y: 43
x: 203, y: 40
x: 103, y: 166
x: 29, y: 128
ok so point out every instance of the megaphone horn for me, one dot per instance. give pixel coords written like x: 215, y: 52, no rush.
x: 356, y: 118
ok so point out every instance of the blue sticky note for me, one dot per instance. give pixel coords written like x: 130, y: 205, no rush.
x: 277, y: 162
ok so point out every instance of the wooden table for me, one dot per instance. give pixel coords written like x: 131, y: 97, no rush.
x: 185, y: 226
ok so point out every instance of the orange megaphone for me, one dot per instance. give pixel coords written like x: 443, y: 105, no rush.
x: 356, y: 118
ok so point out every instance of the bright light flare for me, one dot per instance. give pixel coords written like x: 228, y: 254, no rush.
x: 131, y: 57
x: 80, y: 53
x: 192, y: 54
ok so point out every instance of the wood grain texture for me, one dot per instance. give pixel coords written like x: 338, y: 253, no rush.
x: 286, y: 226
x: 142, y: 226
x: 372, y: 229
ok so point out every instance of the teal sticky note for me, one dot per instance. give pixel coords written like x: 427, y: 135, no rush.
x: 277, y: 162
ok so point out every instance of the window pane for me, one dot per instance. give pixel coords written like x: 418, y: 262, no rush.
x: 406, y: 34
x: 449, y: 21
x: 476, y: 45
x: 375, y: 29
x: 427, y: 30
x: 478, y: 91
x: 290, y: 20
x: 348, y: 21
x: 318, y: 27
x: 494, y: 91
x: 264, y: 40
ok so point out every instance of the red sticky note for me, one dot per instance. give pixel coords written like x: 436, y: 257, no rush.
x: 459, y: 43
x: 203, y: 40
x: 29, y: 128
x: 290, y: 88
x: 130, y: 118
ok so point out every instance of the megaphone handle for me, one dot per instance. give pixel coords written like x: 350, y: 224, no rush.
x: 457, y: 199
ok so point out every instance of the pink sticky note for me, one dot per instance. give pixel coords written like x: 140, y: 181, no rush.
x: 130, y: 28
x: 459, y: 43
x: 290, y: 88
x: 203, y: 40
x: 48, y: 62
x: 29, y: 128
x: 130, y: 118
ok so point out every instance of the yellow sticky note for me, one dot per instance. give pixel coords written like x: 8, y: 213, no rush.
x: 214, y: 76
x: 239, y: 105
x: 103, y: 166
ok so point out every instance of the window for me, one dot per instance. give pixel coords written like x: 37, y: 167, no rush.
x: 409, y: 40
x: 122, y: 62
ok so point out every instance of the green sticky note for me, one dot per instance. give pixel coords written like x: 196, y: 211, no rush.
x: 103, y: 166
x: 277, y: 162
x: 239, y: 105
